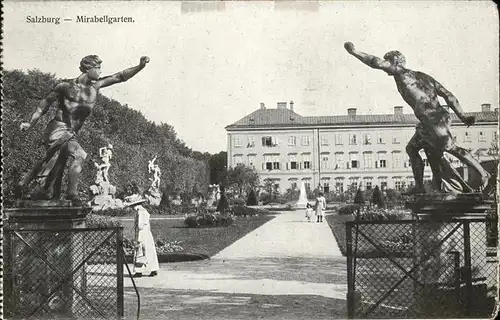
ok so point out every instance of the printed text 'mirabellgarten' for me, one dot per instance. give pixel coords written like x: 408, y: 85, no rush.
x: 81, y: 19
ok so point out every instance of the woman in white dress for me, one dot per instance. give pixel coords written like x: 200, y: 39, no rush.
x: 145, y: 258
x: 320, y: 207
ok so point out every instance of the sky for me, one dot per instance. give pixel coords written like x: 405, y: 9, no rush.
x: 212, y: 64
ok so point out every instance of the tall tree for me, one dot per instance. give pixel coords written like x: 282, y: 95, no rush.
x: 242, y: 178
x: 218, y: 168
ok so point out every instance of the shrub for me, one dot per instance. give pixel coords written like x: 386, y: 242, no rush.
x: 208, y: 220
x: 223, y: 204
x: 252, y: 198
x: 348, y: 209
x: 383, y: 214
x: 359, y: 198
x: 99, y: 221
x: 378, y: 198
x: 119, y: 212
x: 191, y: 222
x: 238, y: 202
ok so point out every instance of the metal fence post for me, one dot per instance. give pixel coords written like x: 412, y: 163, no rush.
x: 467, y: 267
x: 119, y: 271
x: 350, y: 278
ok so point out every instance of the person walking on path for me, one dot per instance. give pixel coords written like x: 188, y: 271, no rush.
x: 309, y: 212
x: 145, y: 258
x: 320, y: 207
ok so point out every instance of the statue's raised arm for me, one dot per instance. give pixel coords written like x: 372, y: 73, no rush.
x: 373, y: 61
x: 124, y: 75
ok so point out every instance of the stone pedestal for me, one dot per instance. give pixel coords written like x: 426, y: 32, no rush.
x: 41, y: 252
x: 153, y: 195
x: 449, y: 254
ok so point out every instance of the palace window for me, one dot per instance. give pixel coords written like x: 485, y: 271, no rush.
x: 380, y: 139
x: 482, y: 136
x: 396, y: 159
x: 305, y: 140
x: 367, y: 139
x: 306, y: 161
x: 293, y: 164
x: 238, y: 158
x: 354, y: 164
x: 368, y: 184
x: 292, y: 141
x: 468, y: 137
x: 237, y: 141
x: 326, y: 186
x: 338, y: 139
x: 367, y: 160
x: 324, y: 140
x: 251, y: 142
x: 339, y: 160
x: 267, y: 141
x: 324, y: 161
x: 251, y: 160
x: 381, y: 163
x: 339, y: 186
x: 276, y: 162
x: 352, y: 139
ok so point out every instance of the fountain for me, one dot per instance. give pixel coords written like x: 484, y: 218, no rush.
x: 302, y: 202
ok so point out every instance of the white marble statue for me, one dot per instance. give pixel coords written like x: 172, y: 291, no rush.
x: 106, y: 153
x: 155, y: 169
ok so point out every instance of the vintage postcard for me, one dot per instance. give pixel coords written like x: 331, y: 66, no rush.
x: 250, y: 159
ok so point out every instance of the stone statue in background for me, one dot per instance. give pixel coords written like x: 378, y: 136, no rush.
x: 155, y: 169
x: 153, y: 195
x: 74, y: 100
x: 103, y: 191
x: 433, y: 132
x: 106, y: 153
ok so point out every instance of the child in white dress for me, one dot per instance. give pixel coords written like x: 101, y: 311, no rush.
x: 309, y: 212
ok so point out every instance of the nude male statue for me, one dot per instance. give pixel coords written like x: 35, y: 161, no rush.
x: 75, y: 100
x: 433, y: 133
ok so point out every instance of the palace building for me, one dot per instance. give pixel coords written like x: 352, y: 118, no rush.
x: 334, y: 152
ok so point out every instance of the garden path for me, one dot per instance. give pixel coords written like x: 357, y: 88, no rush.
x: 286, y: 269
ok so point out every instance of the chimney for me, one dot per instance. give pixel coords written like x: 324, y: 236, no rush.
x: 262, y: 106
x: 398, y: 110
x: 281, y: 105
x: 291, y: 105
x: 351, y: 111
x: 486, y: 107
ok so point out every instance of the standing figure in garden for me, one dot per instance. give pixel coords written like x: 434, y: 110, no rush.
x: 320, y: 207
x: 145, y: 257
x: 433, y: 133
x: 75, y: 100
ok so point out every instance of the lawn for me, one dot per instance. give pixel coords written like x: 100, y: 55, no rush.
x: 206, y: 241
x: 337, y: 224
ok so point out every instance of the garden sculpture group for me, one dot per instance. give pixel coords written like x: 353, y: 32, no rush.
x: 153, y: 195
x: 433, y: 132
x: 75, y: 100
x: 103, y: 191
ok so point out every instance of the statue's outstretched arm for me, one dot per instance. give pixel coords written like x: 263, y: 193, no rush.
x: 122, y: 76
x: 369, y: 59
